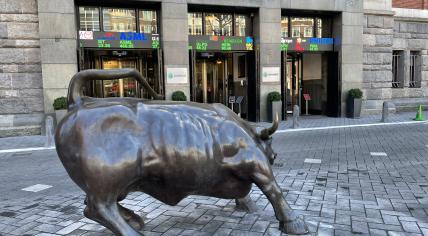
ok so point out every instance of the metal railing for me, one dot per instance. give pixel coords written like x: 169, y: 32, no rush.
x: 396, y: 82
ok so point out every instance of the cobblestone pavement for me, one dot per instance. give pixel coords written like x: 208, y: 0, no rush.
x: 351, y: 181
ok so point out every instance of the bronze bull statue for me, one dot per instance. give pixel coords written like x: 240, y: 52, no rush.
x: 169, y: 150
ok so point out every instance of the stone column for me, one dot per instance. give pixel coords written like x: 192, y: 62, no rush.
x: 267, y: 32
x: 425, y: 72
x: 21, y: 93
x: 350, y: 47
x: 406, y: 62
x: 58, y: 48
x: 175, y: 44
x: 377, y: 55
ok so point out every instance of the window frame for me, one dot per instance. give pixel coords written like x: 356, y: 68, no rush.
x: 415, y: 70
x: 316, y: 28
x: 397, y: 69
x: 99, y: 16
x: 234, y: 14
x: 137, y: 17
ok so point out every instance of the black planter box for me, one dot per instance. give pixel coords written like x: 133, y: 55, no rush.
x: 274, y: 108
x: 353, y: 107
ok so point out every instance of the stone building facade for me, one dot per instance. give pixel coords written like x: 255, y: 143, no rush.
x: 40, y: 50
x: 21, y: 87
x: 401, y: 32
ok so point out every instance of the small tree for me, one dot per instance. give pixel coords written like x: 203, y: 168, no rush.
x: 274, y: 97
x: 355, y: 93
x: 179, y: 96
x: 60, y: 103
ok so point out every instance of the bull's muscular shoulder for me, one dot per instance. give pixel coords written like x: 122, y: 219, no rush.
x: 183, y: 127
x: 106, y: 118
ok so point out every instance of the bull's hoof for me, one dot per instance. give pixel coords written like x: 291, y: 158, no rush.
x: 134, y: 220
x: 136, y: 223
x: 295, y: 227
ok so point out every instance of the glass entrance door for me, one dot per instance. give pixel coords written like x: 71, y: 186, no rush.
x: 210, y: 84
x: 126, y: 87
x: 292, y: 81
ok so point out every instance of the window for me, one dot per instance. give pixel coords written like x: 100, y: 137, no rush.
x: 89, y: 18
x: 415, y: 69
x: 397, y: 69
x: 302, y: 27
x: 119, y: 20
x: 241, y: 25
x: 218, y: 24
x: 284, y: 26
x: 148, y: 21
x: 195, y: 23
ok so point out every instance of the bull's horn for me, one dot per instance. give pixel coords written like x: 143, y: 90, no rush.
x: 266, y: 133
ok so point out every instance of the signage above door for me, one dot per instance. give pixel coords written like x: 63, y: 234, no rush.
x: 116, y: 40
x: 220, y: 43
x: 307, y: 44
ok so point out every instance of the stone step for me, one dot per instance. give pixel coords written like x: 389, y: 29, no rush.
x: 410, y: 104
x: 20, y: 131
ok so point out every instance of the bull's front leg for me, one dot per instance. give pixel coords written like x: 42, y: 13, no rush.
x: 288, y: 221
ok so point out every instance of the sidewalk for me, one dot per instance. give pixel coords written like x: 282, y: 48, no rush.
x: 317, y: 121
x: 310, y: 121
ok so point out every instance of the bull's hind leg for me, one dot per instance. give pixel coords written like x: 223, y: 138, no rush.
x: 246, y: 204
x: 107, y: 213
x: 288, y: 220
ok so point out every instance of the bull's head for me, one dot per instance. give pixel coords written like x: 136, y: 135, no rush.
x: 266, y: 136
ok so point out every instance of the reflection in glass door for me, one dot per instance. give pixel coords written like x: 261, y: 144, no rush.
x: 126, y: 87
x: 210, y: 81
x: 293, y: 86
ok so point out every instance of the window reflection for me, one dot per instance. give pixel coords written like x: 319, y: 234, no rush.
x: 148, y: 21
x: 284, y: 26
x: 218, y: 24
x: 241, y: 22
x: 89, y: 18
x: 194, y: 23
x: 302, y: 27
x: 319, y: 28
x: 119, y: 20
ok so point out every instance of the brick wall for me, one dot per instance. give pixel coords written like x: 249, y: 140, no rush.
x: 412, y: 4
x: 21, y: 93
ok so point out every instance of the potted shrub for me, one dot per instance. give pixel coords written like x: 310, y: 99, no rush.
x: 179, y: 96
x: 60, y: 107
x: 354, y: 103
x: 274, y: 105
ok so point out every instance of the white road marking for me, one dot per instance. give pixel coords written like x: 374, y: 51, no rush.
x: 378, y: 154
x: 349, y: 126
x: 313, y: 161
x: 26, y: 149
x: 36, y: 188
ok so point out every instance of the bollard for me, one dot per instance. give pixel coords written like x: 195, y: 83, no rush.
x: 296, y: 114
x: 49, y: 132
x: 387, y: 108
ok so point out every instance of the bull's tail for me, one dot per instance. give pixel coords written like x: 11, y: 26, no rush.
x: 75, y: 89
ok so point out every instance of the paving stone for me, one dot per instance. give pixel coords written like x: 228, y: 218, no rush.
x: 348, y: 193
x: 410, y: 227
